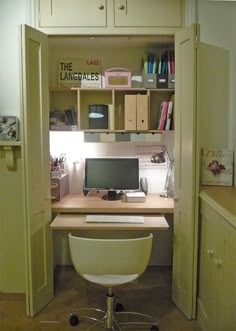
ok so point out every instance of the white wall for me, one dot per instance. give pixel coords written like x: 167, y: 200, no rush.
x: 217, y: 21
x: 12, y: 14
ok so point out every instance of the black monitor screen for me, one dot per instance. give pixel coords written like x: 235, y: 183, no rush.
x: 112, y: 174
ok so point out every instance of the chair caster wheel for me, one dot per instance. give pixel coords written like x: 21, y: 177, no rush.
x: 154, y: 328
x: 119, y: 307
x: 74, y: 320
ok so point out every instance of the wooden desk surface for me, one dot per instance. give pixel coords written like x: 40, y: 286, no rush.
x: 78, y: 203
x: 77, y: 222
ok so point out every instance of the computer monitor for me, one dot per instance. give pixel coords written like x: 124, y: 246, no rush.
x: 111, y: 174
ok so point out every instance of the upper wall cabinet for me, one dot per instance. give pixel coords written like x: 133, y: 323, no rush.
x: 58, y: 13
x: 149, y: 13
x: 109, y: 17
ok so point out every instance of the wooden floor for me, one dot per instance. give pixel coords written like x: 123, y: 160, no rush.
x: 151, y: 295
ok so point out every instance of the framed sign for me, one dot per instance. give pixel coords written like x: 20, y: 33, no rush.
x: 217, y: 167
x: 79, y: 73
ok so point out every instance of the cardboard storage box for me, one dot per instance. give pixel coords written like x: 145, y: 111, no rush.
x: 59, y: 187
x: 162, y: 80
x: 171, y: 81
x: 149, y: 80
x: 9, y: 128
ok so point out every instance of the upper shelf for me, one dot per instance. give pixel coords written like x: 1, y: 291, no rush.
x: 9, y: 143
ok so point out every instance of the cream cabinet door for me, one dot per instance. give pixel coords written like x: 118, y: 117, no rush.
x: 207, y: 276
x: 217, y: 272
x: 35, y: 149
x: 73, y: 13
x: 201, y: 72
x: 225, y: 265
x: 184, y: 241
x: 148, y: 13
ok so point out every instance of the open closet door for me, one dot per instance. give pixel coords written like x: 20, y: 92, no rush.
x: 35, y: 148
x: 185, y: 234
x: 201, y: 120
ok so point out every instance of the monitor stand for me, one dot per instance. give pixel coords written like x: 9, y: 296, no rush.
x: 113, y: 195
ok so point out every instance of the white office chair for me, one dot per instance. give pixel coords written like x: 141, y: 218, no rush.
x: 109, y: 263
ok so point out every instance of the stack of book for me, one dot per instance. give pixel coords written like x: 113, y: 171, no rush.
x: 165, y: 121
x: 65, y: 119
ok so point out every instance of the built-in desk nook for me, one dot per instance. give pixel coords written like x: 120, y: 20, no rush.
x: 78, y: 203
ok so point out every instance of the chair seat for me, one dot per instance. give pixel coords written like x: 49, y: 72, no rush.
x: 110, y: 280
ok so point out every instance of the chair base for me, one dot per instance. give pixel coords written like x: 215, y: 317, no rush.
x: 110, y: 319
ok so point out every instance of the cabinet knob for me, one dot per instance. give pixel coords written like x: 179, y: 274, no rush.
x: 210, y: 252
x: 101, y: 7
x: 218, y: 262
x: 121, y: 7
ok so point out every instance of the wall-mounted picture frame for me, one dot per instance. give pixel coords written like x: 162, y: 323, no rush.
x: 217, y: 167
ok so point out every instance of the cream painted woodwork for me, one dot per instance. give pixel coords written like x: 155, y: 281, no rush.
x: 9, y: 148
x: 110, y: 17
x: 213, y: 96
x: 81, y: 99
x: 184, y: 254
x: 35, y: 151
x: 111, y: 51
x: 11, y: 225
x: 156, y: 13
x: 57, y: 13
x: 194, y: 98
x: 217, y: 271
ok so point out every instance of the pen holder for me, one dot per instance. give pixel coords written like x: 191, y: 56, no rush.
x: 149, y: 80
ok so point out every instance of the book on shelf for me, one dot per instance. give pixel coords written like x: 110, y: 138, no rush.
x: 70, y: 116
x: 165, y: 121
x: 217, y: 167
x: 163, y: 115
x: 63, y: 118
x: 169, y: 115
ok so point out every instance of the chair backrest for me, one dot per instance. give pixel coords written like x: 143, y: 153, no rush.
x: 110, y: 256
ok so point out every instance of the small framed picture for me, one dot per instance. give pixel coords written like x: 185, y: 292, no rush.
x: 217, y: 167
x: 9, y: 128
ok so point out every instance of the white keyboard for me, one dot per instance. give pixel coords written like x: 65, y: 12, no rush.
x: 98, y: 218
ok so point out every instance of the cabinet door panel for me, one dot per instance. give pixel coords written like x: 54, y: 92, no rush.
x: 226, y: 270
x: 72, y: 13
x: 39, y: 263
x: 148, y: 13
x: 206, y: 293
x: 184, y: 250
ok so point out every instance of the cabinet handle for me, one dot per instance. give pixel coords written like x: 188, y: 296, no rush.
x: 121, y: 7
x: 101, y: 7
x: 210, y: 252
